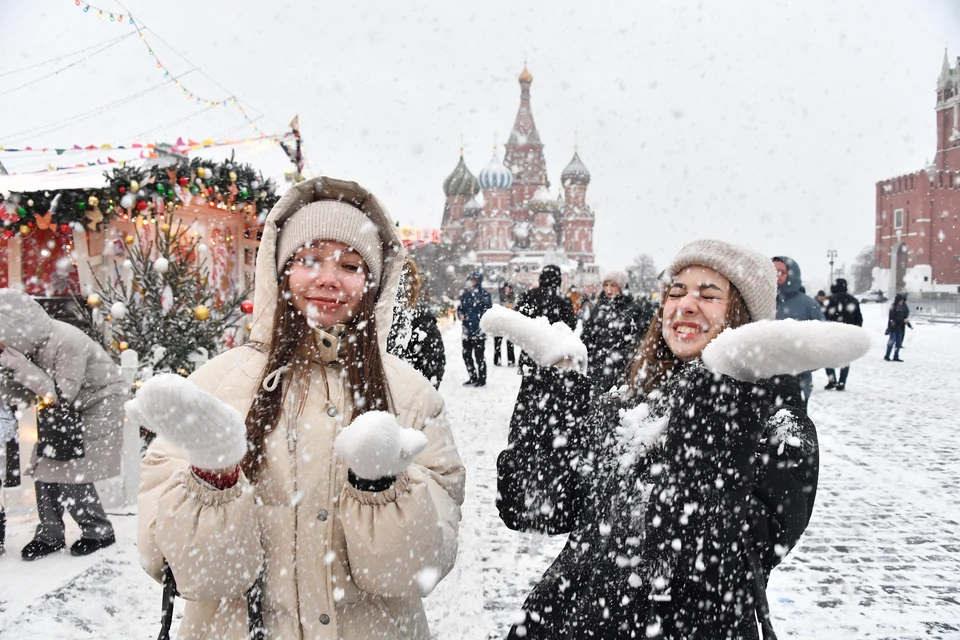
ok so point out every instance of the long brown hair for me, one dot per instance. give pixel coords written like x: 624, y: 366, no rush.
x: 292, y: 345
x: 654, y: 361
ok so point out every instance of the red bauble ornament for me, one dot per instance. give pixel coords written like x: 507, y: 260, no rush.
x: 122, y: 189
x: 183, y: 181
x: 247, y: 307
x: 64, y: 228
x: 141, y: 205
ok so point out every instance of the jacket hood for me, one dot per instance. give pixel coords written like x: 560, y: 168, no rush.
x: 24, y: 325
x: 476, y: 275
x: 324, y: 188
x: 550, y: 277
x: 840, y: 286
x: 897, y: 299
x: 792, y: 286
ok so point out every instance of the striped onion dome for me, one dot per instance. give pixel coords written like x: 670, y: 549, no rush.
x: 495, y: 175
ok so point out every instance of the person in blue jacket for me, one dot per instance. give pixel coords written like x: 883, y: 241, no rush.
x: 474, y: 302
x: 793, y: 303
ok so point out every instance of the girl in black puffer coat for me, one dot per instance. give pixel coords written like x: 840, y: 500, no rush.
x: 611, y: 334
x: 414, y: 335
x: 681, y: 493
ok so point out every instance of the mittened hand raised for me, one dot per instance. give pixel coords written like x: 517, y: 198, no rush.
x: 546, y: 344
x: 375, y: 446
x: 212, y: 433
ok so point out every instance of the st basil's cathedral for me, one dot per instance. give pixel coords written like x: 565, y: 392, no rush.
x: 520, y: 226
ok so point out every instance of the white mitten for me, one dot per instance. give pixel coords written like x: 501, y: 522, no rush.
x: 546, y: 344
x: 775, y: 347
x: 211, y: 432
x: 375, y: 446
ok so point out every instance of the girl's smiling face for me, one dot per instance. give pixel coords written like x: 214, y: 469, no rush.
x: 695, y: 310
x: 327, y: 281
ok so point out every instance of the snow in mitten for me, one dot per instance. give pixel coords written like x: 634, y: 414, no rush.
x: 546, y: 344
x: 212, y: 433
x: 775, y: 347
x: 375, y: 446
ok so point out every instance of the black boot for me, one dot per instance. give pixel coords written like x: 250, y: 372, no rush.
x: 37, y: 549
x: 86, y: 546
x: 472, y: 382
x: 831, y: 385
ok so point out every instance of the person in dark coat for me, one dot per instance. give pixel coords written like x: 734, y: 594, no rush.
x: 474, y: 302
x: 508, y: 299
x: 80, y: 394
x: 841, y: 307
x: 611, y: 334
x: 680, y: 493
x: 897, y: 321
x: 793, y: 304
x: 414, y: 335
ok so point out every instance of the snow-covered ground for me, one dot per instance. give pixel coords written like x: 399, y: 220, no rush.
x: 881, y: 558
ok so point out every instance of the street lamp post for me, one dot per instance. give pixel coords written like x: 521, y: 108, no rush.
x: 832, y: 254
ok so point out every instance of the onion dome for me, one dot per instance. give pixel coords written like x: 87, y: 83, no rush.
x: 495, y: 175
x: 543, y: 202
x: 472, y: 208
x: 525, y: 76
x: 576, y: 172
x: 461, y: 182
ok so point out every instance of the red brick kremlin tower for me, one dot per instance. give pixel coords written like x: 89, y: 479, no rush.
x: 917, y: 245
x: 521, y: 225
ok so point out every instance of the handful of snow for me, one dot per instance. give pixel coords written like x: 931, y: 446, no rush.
x: 375, y: 446
x: 639, y: 431
x: 212, y: 433
x: 775, y: 347
x: 546, y: 344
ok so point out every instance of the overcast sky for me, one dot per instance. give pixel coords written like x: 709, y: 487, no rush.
x: 765, y: 123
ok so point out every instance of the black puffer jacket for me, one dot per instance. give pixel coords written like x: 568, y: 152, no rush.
x: 415, y: 338
x: 841, y: 306
x: 729, y: 498
x: 899, y: 316
x: 611, y: 335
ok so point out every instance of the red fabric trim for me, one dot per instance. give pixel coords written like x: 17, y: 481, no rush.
x: 219, y: 480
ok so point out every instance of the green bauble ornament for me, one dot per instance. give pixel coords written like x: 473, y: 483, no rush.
x: 81, y: 205
x: 194, y: 189
x: 244, y: 193
x: 21, y: 211
x: 160, y: 189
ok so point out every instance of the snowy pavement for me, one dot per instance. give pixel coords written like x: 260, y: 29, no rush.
x: 881, y: 558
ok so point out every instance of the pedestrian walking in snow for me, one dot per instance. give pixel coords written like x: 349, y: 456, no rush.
x: 79, y: 394
x: 306, y: 483
x: 898, y: 320
x: 415, y: 336
x: 792, y: 303
x: 612, y: 334
x: 8, y: 432
x: 508, y: 300
x: 474, y: 302
x: 841, y: 307
x: 682, y: 492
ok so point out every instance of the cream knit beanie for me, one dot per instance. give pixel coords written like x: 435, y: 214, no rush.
x: 752, y: 274
x: 332, y: 220
x: 618, y: 278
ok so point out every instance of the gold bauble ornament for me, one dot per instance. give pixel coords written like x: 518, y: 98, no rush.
x: 30, y: 202
x: 109, y: 318
x: 93, y: 201
x: 134, y: 186
x: 24, y: 229
x: 201, y: 172
x: 94, y: 301
x: 233, y: 176
x: 201, y: 313
x: 123, y: 346
x: 114, y: 344
x: 165, y: 228
x: 128, y: 239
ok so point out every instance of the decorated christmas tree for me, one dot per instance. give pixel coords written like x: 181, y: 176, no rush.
x: 162, y: 304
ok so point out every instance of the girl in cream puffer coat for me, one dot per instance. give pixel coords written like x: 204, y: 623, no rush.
x: 346, y: 499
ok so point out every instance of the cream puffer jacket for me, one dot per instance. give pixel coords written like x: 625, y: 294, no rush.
x: 338, y: 562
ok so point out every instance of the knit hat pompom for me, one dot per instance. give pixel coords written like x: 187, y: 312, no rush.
x: 617, y: 277
x: 332, y: 220
x: 751, y: 273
